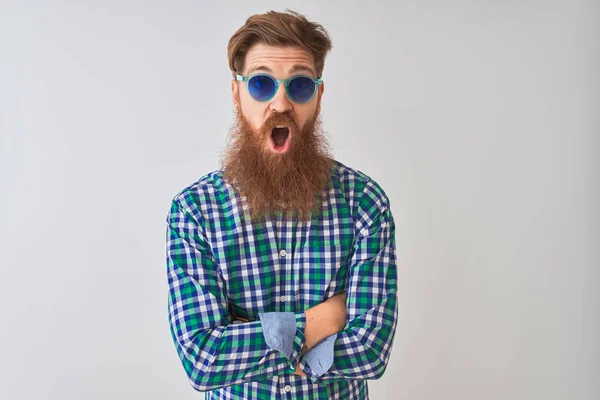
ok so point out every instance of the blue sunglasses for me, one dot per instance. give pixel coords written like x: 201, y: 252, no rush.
x: 262, y: 87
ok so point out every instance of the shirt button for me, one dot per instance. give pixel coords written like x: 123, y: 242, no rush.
x: 287, y: 388
x: 282, y: 253
x: 282, y: 299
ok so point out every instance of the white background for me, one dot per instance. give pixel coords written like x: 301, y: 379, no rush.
x: 479, y: 119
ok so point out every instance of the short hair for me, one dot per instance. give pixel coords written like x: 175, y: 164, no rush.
x: 279, y: 29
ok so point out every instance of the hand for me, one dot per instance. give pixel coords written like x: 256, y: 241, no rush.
x: 299, y: 371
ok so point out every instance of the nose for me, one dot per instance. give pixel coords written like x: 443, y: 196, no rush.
x: 280, y: 102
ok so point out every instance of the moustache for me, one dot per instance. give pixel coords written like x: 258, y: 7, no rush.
x: 280, y: 119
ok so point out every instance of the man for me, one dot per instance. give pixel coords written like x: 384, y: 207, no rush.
x: 281, y: 265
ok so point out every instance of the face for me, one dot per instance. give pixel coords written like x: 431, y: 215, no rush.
x: 278, y: 173
x: 281, y: 63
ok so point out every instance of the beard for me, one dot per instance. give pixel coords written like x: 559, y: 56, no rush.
x: 291, y: 184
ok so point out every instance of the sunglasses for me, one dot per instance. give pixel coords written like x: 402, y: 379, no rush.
x: 262, y: 87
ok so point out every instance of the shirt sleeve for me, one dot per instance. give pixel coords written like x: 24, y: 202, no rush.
x: 213, y: 350
x: 362, y: 349
x: 281, y: 333
x: 319, y: 359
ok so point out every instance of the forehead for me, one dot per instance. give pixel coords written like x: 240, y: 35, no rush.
x: 279, y: 60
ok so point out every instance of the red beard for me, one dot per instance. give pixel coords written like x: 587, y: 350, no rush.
x: 292, y: 183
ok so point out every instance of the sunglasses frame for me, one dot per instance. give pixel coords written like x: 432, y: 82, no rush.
x: 286, y: 82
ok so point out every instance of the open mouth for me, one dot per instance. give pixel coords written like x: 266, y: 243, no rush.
x: 280, y: 139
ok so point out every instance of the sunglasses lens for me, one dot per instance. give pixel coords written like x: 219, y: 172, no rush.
x: 301, y: 89
x: 261, y: 87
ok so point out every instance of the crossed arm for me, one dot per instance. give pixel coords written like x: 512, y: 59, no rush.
x: 359, y: 324
x: 322, y: 321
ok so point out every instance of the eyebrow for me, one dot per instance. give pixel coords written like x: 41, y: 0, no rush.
x: 295, y: 68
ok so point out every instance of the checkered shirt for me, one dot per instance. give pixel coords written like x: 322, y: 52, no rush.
x: 221, y: 267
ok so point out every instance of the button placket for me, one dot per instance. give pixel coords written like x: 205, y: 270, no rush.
x: 284, y: 263
x: 284, y: 232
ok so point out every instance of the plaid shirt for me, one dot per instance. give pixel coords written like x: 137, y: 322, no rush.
x: 221, y: 268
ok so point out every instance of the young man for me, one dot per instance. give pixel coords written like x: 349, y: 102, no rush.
x: 281, y: 265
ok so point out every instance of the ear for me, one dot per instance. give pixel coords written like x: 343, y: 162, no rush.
x: 234, y: 91
x: 321, y: 90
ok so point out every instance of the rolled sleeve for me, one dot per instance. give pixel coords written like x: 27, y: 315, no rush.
x: 319, y: 359
x: 284, y: 332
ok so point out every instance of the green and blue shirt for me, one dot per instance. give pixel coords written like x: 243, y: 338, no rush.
x: 223, y: 268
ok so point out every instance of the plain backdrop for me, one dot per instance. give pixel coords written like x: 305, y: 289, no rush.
x: 479, y: 119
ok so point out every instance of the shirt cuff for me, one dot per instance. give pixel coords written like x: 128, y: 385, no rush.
x: 284, y: 332
x: 319, y: 359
